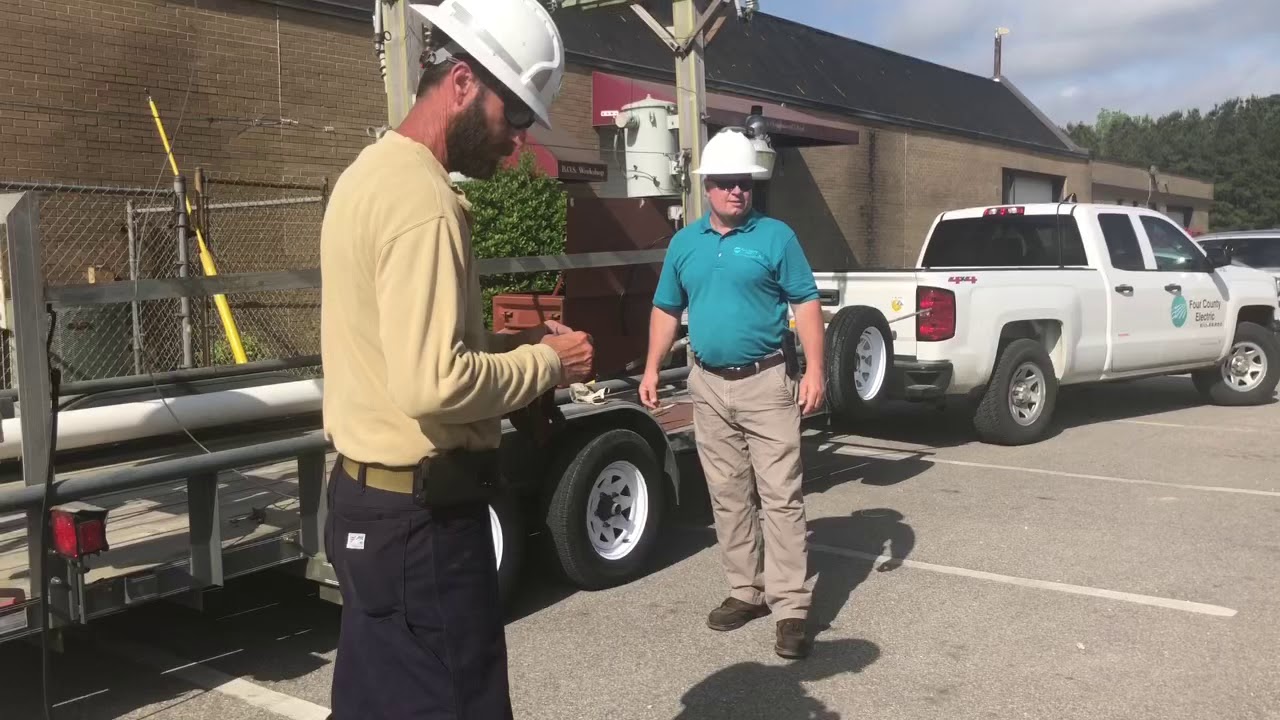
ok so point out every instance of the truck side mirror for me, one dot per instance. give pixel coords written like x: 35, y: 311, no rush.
x: 1219, y: 256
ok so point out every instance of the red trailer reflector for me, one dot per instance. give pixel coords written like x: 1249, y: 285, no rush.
x: 79, y: 530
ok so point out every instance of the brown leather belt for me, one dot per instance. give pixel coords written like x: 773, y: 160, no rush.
x: 382, y: 478
x: 740, y: 372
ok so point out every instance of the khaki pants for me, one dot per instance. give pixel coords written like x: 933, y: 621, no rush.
x: 748, y: 437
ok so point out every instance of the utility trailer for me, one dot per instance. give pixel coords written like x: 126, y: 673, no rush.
x: 155, y: 515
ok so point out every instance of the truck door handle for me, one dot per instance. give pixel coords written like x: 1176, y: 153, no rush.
x: 1124, y: 289
x: 1173, y: 288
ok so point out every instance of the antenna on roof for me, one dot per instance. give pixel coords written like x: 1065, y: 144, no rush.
x: 1000, y: 33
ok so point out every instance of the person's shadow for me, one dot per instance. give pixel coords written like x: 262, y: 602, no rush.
x: 850, y: 547
x: 755, y: 690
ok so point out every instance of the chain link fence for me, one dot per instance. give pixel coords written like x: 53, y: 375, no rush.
x: 100, y: 234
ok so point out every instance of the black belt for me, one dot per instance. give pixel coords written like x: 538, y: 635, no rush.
x: 454, y: 477
x: 738, y: 372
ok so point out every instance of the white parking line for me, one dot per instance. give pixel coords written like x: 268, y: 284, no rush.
x: 207, y: 678
x: 842, y: 449
x: 1183, y: 605
x: 1227, y: 428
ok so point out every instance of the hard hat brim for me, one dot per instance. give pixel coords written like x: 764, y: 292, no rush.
x: 720, y: 172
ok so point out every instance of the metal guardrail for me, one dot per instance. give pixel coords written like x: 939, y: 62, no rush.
x: 307, y: 279
x: 165, y: 471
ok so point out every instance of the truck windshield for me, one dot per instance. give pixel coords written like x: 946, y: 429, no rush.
x: 1006, y: 241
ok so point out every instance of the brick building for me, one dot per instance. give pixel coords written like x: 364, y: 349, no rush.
x: 872, y: 144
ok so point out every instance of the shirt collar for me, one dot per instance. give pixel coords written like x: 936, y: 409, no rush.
x: 432, y: 163
x: 753, y: 217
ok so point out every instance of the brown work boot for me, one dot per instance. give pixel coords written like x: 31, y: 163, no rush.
x: 793, y: 639
x: 734, y: 613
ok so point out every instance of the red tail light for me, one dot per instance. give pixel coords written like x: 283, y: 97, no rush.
x: 1005, y: 211
x: 939, y: 323
x: 79, y: 530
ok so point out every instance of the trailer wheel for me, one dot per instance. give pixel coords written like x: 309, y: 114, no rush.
x: 1018, y: 404
x: 507, y: 525
x: 859, y: 356
x: 1249, y: 374
x: 605, y: 509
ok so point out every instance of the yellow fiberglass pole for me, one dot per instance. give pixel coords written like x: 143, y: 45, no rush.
x: 206, y: 259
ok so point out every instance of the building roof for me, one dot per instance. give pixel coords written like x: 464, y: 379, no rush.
x: 773, y: 58
x: 782, y: 60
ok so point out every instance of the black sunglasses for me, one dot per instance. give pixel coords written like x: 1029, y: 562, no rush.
x: 744, y: 184
x: 518, y: 115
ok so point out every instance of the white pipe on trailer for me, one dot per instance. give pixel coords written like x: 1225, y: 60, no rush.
x: 150, y: 418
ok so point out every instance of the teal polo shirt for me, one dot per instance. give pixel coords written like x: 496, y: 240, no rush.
x: 736, y: 287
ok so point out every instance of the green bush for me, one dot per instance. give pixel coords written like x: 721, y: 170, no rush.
x: 221, y: 349
x: 520, y: 211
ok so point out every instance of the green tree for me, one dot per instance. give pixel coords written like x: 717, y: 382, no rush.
x: 518, y: 212
x: 1236, y: 145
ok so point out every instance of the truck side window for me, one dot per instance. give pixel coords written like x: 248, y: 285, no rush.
x: 1122, y: 242
x: 1173, y: 251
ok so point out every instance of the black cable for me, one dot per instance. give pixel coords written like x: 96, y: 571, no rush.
x: 55, y: 388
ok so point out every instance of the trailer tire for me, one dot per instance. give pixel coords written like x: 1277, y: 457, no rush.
x: 1248, y: 376
x: 605, y: 509
x: 1018, y: 405
x: 859, y: 358
x: 508, y: 530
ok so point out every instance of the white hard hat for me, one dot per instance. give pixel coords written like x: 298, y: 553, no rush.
x: 730, y: 152
x: 515, y: 40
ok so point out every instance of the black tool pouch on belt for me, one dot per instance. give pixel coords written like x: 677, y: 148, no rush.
x: 791, y: 353
x: 457, y: 477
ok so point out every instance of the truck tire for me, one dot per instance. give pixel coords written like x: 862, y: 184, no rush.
x: 1017, y: 407
x: 605, y: 509
x: 1249, y: 374
x: 508, y: 527
x: 859, y: 356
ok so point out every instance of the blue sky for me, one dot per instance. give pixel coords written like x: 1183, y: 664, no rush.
x: 1074, y: 58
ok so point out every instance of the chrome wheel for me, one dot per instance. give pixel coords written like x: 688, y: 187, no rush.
x: 1246, y: 367
x: 1026, y: 394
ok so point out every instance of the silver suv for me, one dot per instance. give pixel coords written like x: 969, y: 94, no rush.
x: 1250, y: 248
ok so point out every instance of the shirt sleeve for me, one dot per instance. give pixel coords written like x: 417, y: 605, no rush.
x: 794, y: 273
x: 670, y: 294
x: 422, y: 302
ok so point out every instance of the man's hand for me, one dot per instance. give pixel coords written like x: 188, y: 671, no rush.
x: 812, y: 391
x: 556, y: 328
x: 649, y: 390
x: 576, y: 354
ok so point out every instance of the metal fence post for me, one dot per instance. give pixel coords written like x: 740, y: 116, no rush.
x: 29, y: 324
x: 184, y: 303
x: 132, y: 225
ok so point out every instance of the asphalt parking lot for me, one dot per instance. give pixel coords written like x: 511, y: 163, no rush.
x: 1124, y: 568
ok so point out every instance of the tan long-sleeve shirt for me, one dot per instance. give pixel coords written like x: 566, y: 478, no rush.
x: 408, y: 367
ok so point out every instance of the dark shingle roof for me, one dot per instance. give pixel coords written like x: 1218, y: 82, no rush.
x: 778, y: 59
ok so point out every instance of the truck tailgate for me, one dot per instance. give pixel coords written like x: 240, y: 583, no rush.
x: 893, y: 293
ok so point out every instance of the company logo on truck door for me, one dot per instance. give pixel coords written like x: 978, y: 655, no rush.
x: 1207, y: 312
x: 1178, y: 313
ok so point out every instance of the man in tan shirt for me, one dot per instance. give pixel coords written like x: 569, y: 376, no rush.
x: 415, y: 386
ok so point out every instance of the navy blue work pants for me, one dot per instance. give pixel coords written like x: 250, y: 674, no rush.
x: 422, y: 634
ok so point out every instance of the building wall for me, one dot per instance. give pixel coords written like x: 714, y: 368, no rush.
x: 74, y: 74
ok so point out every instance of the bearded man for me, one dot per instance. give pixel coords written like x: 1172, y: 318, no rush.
x: 415, y: 386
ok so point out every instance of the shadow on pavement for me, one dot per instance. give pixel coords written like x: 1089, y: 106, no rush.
x: 1077, y: 406
x: 870, y: 533
x: 755, y: 690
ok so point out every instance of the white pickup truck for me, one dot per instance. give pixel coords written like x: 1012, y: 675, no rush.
x: 1009, y: 303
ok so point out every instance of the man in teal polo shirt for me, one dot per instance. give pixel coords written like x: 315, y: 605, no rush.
x: 736, y: 271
